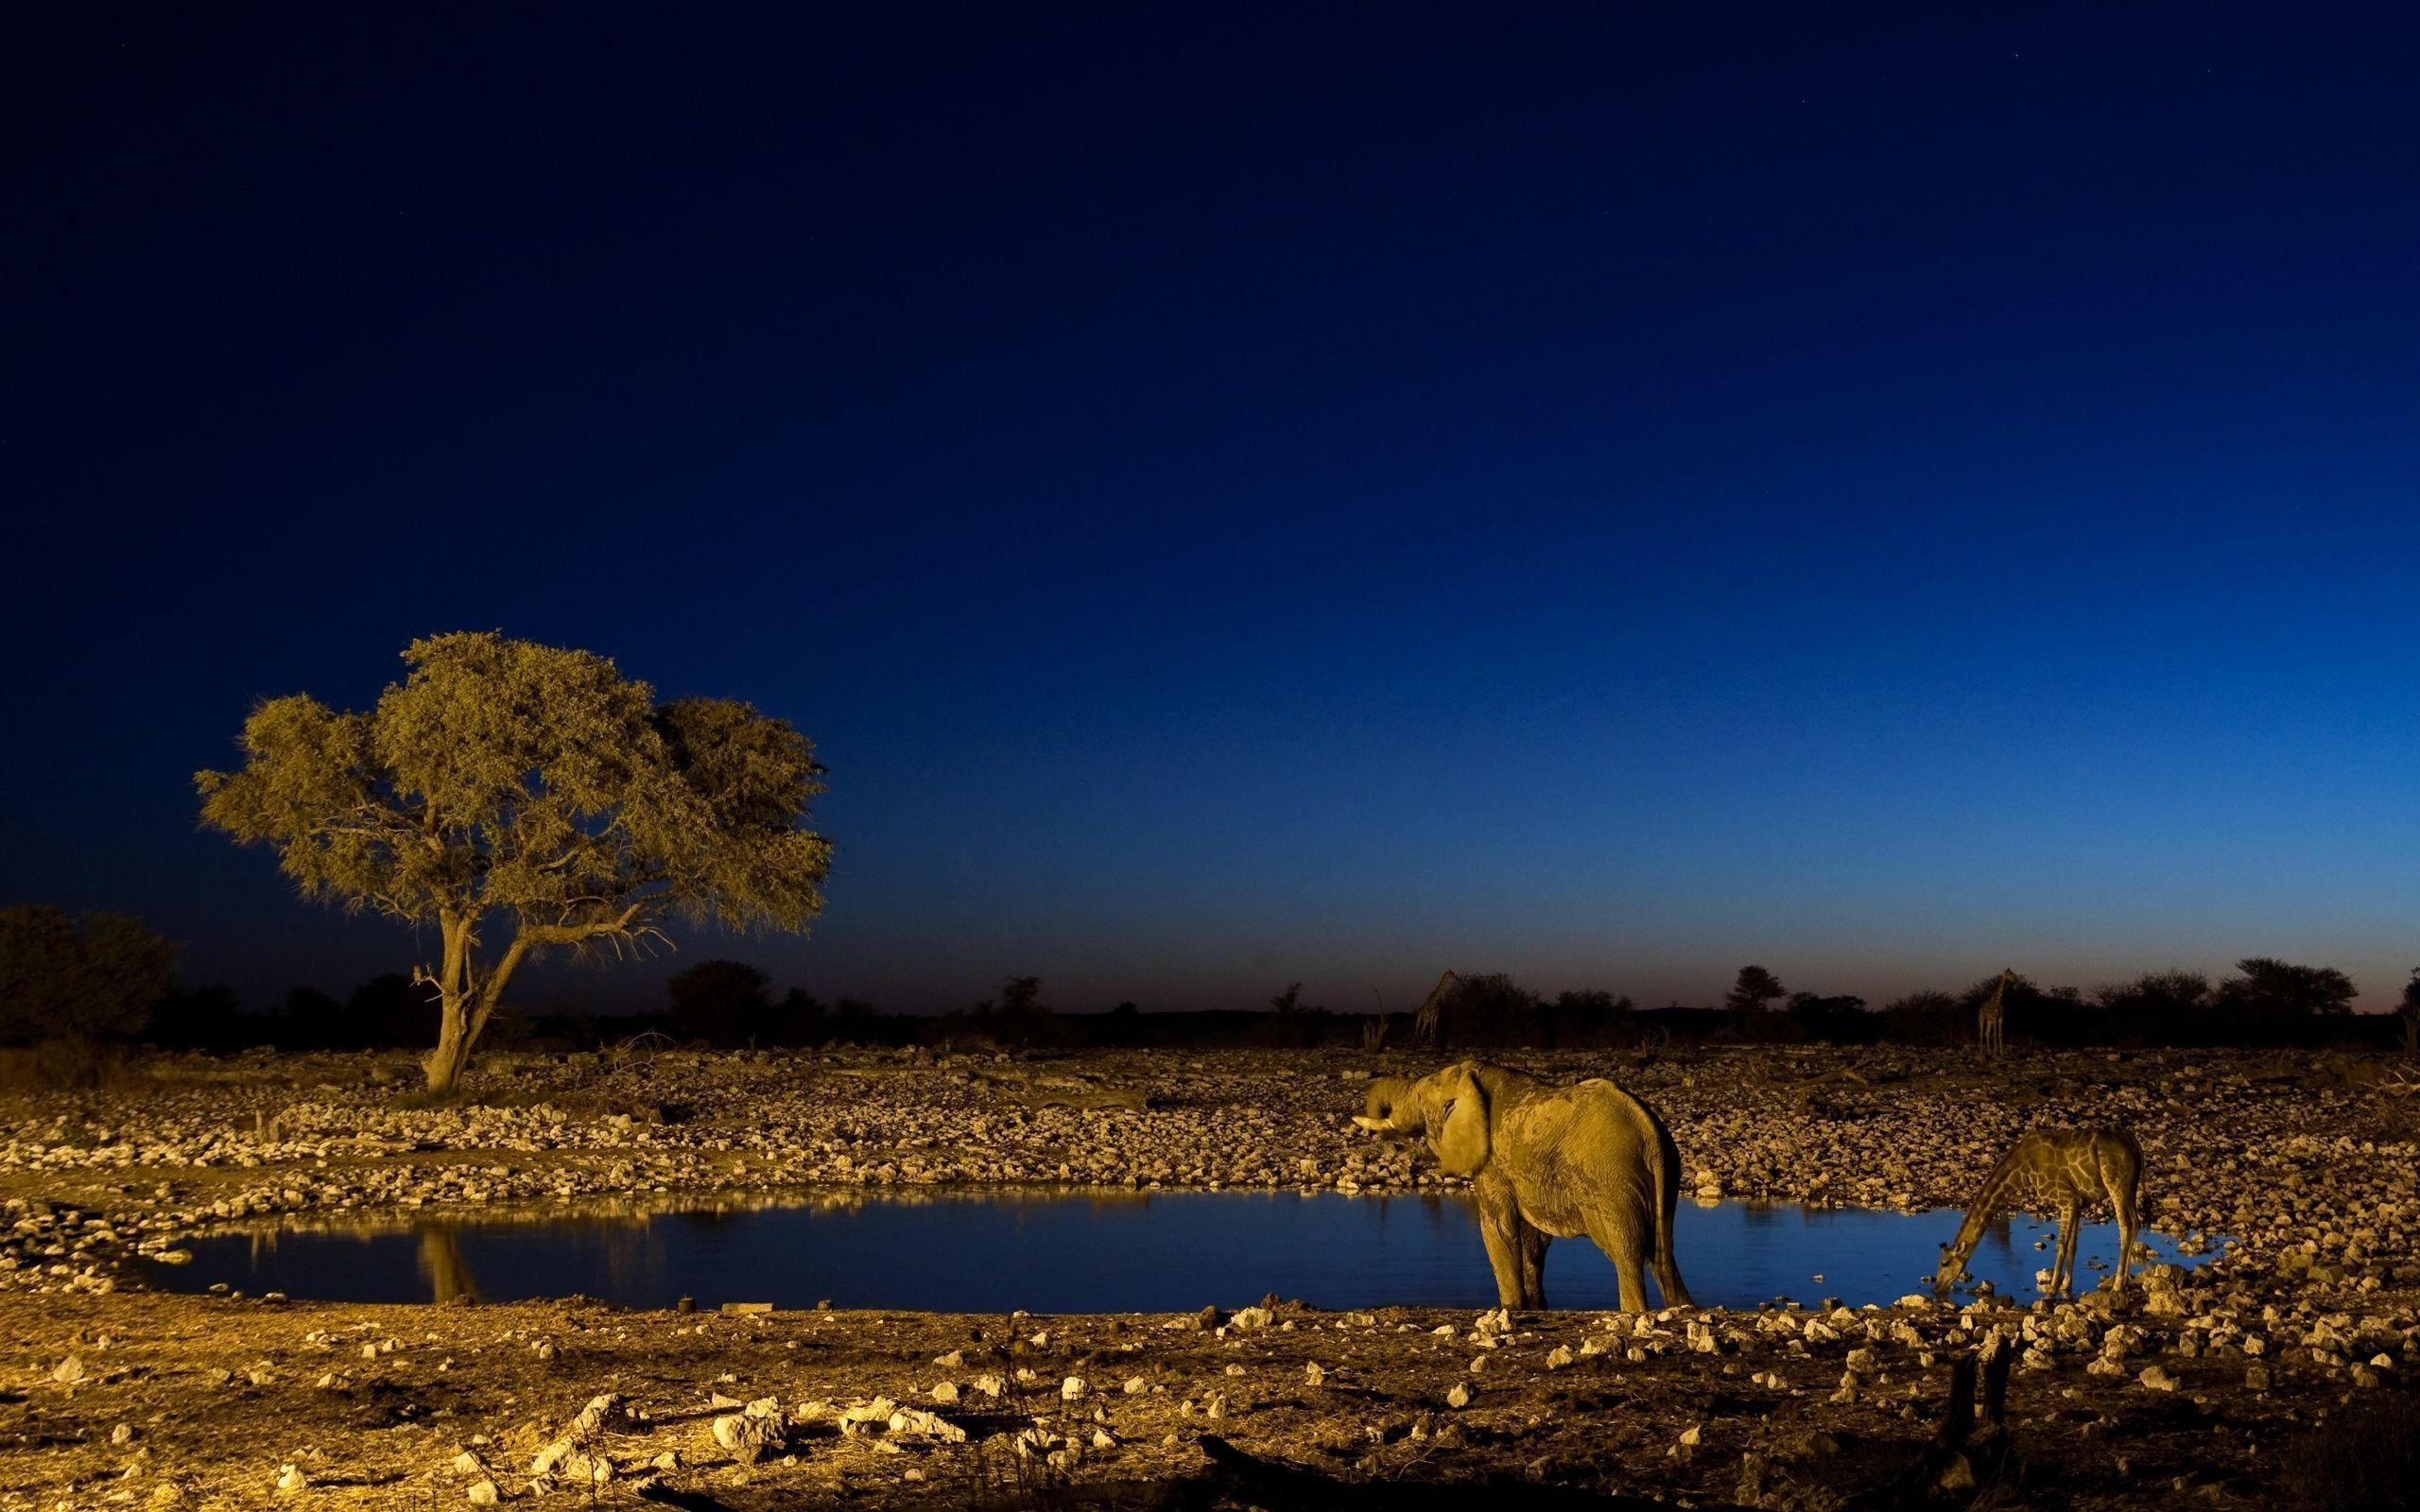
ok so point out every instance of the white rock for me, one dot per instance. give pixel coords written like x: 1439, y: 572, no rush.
x: 747, y: 1436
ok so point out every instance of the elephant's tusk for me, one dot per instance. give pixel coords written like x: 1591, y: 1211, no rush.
x: 1373, y: 1125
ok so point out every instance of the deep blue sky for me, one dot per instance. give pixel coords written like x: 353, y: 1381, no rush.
x: 1246, y: 493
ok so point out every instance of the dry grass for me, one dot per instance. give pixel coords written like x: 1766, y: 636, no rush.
x: 2364, y: 1457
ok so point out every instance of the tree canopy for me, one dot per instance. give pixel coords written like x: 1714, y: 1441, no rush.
x: 506, y: 781
x: 95, y: 976
x: 1755, y: 988
x: 723, y: 1003
x: 2272, y: 990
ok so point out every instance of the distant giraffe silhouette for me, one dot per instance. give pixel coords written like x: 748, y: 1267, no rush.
x: 1424, y: 1024
x: 1991, y: 1020
x: 2057, y: 1173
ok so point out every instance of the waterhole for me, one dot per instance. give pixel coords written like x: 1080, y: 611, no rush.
x: 1059, y: 1251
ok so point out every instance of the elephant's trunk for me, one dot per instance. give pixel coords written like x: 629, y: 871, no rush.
x: 1386, y: 1095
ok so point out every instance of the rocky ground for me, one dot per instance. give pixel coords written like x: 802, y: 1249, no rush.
x: 2279, y: 1371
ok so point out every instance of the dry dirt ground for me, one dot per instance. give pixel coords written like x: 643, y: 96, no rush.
x: 2278, y: 1375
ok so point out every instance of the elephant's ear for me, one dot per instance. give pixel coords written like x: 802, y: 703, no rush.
x: 1463, y: 1143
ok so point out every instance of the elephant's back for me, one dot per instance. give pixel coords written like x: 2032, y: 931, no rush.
x: 1620, y: 1098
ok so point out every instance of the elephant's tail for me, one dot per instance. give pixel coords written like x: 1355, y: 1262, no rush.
x: 1667, y: 1196
x: 1666, y: 1182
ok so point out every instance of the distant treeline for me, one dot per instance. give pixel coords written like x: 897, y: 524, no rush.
x: 730, y: 1004
x: 105, y: 979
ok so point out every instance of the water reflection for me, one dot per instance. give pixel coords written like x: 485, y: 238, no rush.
x: 441, y: 1266
x: 1047, y: 1250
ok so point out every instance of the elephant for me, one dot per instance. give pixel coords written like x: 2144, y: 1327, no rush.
x: 1548, y: 1162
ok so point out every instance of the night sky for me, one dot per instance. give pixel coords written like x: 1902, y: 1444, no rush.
x: 1241, y: 493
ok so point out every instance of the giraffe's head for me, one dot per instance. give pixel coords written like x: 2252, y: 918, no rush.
x: 1952, y: 1267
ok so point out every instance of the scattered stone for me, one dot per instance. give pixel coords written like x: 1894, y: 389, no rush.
x: 748, y: 1436
x: 926, y: 1425
x: 568, y: 1455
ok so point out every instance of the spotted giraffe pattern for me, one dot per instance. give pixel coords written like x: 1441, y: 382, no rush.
x: 2057, y: 1173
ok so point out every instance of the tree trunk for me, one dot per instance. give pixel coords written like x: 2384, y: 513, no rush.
x: 463, y: 1017
x: 455, y: 1035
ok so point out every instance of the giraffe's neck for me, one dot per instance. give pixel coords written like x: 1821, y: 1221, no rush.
x: 2019, y: 1174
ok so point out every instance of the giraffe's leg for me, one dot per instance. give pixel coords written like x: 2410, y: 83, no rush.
x: 2122, y: 1195
x: 2062, y: 1278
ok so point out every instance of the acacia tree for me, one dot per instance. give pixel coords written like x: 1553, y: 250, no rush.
x: 506, y: 783
x: 1755, y: 988
x: 2276, y: 997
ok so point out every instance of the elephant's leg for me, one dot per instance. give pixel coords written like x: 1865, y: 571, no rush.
x: 1628, y: 1251
x: 1533, y: 1263
x: 1499, y: 1222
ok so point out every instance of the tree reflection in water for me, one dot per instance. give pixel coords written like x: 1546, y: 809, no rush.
x: 442, y: 1265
